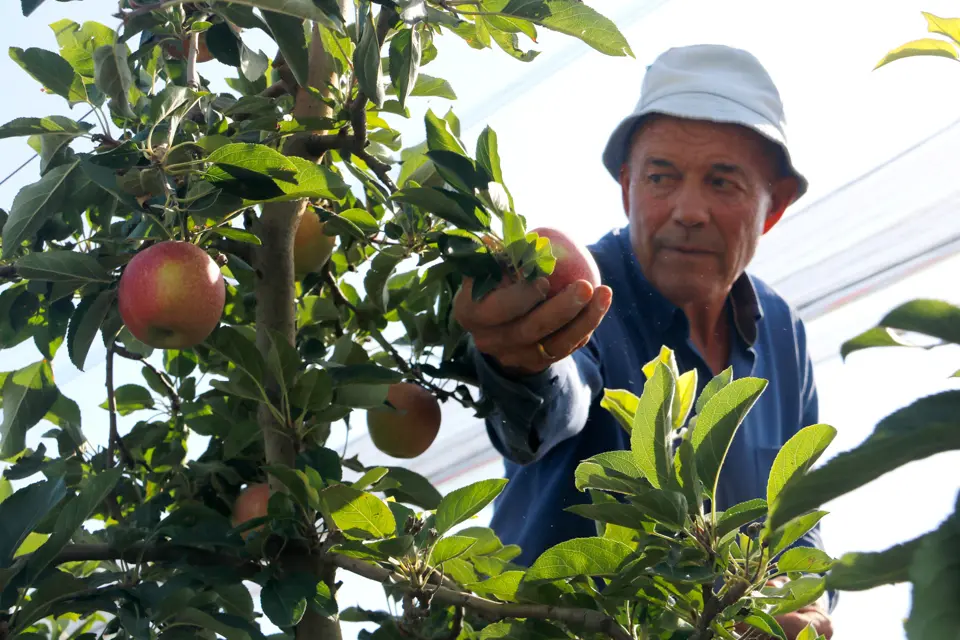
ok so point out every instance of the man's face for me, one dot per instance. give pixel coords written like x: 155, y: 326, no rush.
x: 698, y: 196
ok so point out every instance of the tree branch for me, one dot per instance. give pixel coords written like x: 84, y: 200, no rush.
x: 589, y: 619
x: 115, y: 439
x: 169, y: 389
x: 193, y: 76
x: 586, y: 618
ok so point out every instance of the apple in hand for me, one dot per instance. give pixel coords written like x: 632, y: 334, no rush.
x: 409, y: 429
x: 574, y: 261
x: 171, y: 295
x: 311, y: 248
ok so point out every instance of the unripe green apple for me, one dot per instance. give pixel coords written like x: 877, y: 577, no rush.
x: 171, y: 295
x: 409, y: 430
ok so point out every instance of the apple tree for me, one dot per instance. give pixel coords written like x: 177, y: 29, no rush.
x: 252, y: 250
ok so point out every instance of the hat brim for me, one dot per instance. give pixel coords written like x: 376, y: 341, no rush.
x: 696, y: 106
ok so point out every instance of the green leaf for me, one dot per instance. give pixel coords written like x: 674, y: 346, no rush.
x: 920, y: 47
x: 51, y: 125
x: 624, y: 515
x: 596, y: 557
x: 203, y: 620
x: 529, y: 629
x: 797, y: 456
x: 112, y: 73
x: 650, y: 436
x: 443, y: 204
x: 488, y: 154
x: 716, y: 383
x: 298, y: 484
x: 622, y: 404
x: 935, y: 318
x: 381, y: 268
x: 924, y: 428
x: 450, y: 547
x: 615, y: 471
x: 685, y: 475
x: 22, y: 511
x: 763, y: 621
x: 863, y: 571
x: 35, y: 204
x: 428, y: 86
x: 367, y: 373
x: 282, y: 602
x: 503, y: 586
x: 324, y: 13
x: 683, y: 400
x: 799, y: 593
x: 61, y: 266
x: 28, y: 394
x: 52, y: 71
x: 804, y: 560
x: 130, y: 398
x: 360, y: 515
x: 718, y: 423
x: 405, y: 54
x: 782, y: 537
x: 240, y: 350
x: 93, y: 492
x: 311, y: 181
x: 741, y: 514
x: 292, y: 41
x: 414, y: 489
x: 666, y: 507
x: 949, y: 27
x: 465, y: 502
x: 440, y: 137
x: 252, y: 171
x: 361, y: 219
x: 366, y: 62
x: 935, y: 578
x: 569, y: 17
x: 85, y: 324
x: 168, y: 101
x: 283, y: 360
x: 237, y: 234
x: 870, y: 339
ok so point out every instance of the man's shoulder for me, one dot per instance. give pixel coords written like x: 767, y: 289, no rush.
x: 777, y: 311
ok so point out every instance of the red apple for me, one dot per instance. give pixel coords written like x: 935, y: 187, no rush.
x: 574, y: 261
x: 409, y: 430
x: 251, y: 503
x: 311, y: 248
x: 171, y: 295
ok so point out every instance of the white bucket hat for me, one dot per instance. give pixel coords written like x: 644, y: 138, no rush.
x: 707, y: 82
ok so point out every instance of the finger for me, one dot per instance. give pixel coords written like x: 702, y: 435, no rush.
x: 524, y: 333
x: 577, y: 333
x: 505, y: 303
x: 562, y: 343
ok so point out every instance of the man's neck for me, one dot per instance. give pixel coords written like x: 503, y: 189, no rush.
x: 710, y: 332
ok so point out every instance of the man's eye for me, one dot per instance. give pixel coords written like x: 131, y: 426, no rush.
x: 656, y: 178
x: 721, y: 183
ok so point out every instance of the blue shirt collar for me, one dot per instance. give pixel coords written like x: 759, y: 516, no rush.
x: 744, y: 303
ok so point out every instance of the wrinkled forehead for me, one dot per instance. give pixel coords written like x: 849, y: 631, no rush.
x: 660, y: 137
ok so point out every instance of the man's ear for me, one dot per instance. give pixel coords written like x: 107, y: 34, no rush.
x: 783, y: 193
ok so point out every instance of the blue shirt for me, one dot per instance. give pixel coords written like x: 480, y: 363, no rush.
x: 544, y: 425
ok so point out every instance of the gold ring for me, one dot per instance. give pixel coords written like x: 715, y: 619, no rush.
x: 544, y: 353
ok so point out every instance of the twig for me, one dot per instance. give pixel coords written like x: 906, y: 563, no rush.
x: 115, y: 439
x: 170, y: 390
x: 193, y: 77
x: 8, y: 272
x: 318, y: 144
x: 380, y: 168
x: 586, y: 618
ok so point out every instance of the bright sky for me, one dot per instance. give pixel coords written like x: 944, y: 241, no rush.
x: 845, y: 119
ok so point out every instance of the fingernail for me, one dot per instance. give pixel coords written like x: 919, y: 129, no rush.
x: 543, y: 286
x: 584, y: 292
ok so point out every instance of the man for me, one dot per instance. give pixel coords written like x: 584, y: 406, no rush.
x: 704, y: 172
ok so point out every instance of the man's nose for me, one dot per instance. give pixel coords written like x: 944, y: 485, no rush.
x: 690, y: 207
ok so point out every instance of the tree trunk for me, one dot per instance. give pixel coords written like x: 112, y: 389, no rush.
x: 276, y: 312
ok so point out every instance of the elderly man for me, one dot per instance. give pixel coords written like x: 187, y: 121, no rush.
x: 704, y: 171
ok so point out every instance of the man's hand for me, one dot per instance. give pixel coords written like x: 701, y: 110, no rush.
x: 523, y: 331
